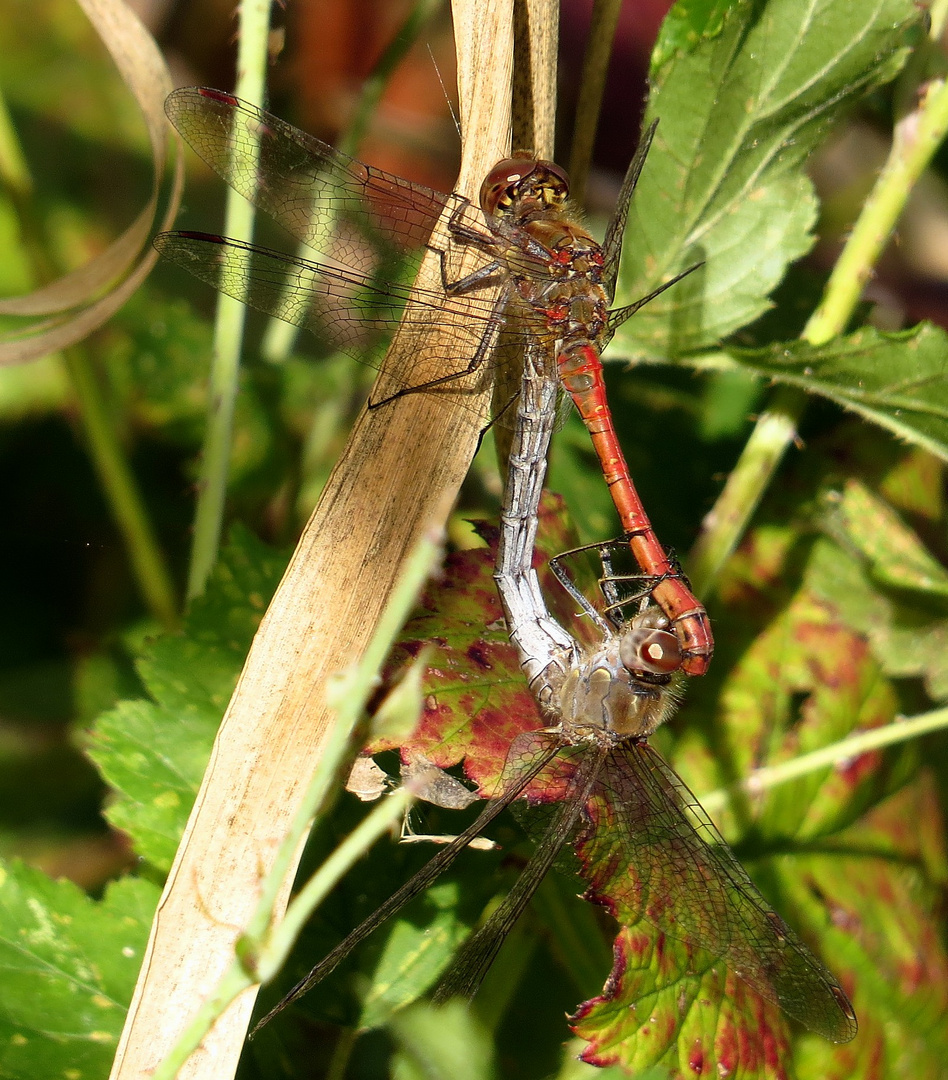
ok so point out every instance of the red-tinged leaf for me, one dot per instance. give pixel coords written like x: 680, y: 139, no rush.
x: 476, y: 697
x: 477, y: 700
x: 650, y: 852
x: 883, y: 580
x: 666, y: 1004
x: 914, y: 485
x: 887, y: 939
x: 806, y: 680
x: 865, y: 524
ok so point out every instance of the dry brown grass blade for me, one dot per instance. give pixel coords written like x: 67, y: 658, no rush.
x: 536, y: 32
x: 76, y: 301
x: 396, y: 479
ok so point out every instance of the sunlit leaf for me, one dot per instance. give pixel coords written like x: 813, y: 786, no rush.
x: 153, y: 753
x: 69, y: 967
x: 739, y: 112
x: 672, y: 1006
x: 894, y: 380
x: 886, y: 583
x: 413, y: 958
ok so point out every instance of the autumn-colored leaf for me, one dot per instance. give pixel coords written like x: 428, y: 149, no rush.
x: 476, y: 698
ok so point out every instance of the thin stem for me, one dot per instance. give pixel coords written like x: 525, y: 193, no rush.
x: 852, y: 746
x: 341, y: 1053
x: 351, y: 693
x: 374, y: 86
x: 916, y: 138
x: 234, y: 982
x: 228, y: 325
x: 102, y: 440
x: 725, y: 523
x: 122, y: 493
x: 937, y: 16
x: 14, y: 171
x: 271, y: 957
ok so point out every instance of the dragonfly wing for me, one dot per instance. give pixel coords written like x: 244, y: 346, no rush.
x: 612, y: 244
x: 653, y: 851
x: 302, y: 183
x: 478, y: 952
x: 344, y: 309
x: 529, y: 756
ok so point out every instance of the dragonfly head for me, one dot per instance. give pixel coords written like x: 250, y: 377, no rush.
x: 628, y: 685
x: 646, y: 647
x: 523, y: 183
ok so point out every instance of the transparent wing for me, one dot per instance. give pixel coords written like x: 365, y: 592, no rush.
x: 344, y: 308
x: 477, y: 954
x: 652, y: 851
x: 529, y: 756
x: 302, y: 183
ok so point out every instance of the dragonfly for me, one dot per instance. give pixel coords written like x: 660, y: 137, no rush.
x: 544, y: 281
x: 612, y: 795
x: 606, y: 701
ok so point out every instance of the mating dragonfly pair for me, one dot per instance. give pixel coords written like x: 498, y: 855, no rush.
x: 546, y: 283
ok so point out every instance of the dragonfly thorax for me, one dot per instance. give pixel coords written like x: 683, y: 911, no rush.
x: 626, y: 686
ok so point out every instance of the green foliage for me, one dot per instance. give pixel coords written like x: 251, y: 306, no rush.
x: 739, y: 111
x: 69, y: 967
x: 832, y: 618
x: 153, y: 752
x: 894, y: 380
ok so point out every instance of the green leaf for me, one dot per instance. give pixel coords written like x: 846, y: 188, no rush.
x: 724, y: 185
x: 891, y: 551
x: 887, y: 933
x: 441, y: 1044
x: 415, y: 954
x: 686, y: 25
x: 669, y: 1005
x: 884, y: 582
x: 153, y: 753
x: 894, y: 380
x: 69, y: 968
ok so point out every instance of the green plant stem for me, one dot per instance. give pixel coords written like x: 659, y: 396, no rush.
x: 260, y: 951
x: 351, y: 695
x: 234, y: 982
x: 341, y: 1053
x: 280, y: 336
x: 937, y: 16
x: 122, y: 493
x: 725, y: 523
x: 271, y: 956
x: 253, y: 36
x: 14, y: 171
x: 916, y: 138
x: 852, y: 746
x: 101, y: 437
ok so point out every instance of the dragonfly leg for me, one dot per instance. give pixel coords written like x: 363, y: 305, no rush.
x: 562, y: 576
x: 495, y: 323
x: 477, y: 277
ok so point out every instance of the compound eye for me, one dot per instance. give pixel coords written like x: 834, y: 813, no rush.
x: 558, y: 174
x: 656, y: 652
x: 501, y: 182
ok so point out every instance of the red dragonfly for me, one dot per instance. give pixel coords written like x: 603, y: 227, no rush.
x: 555, y: 281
